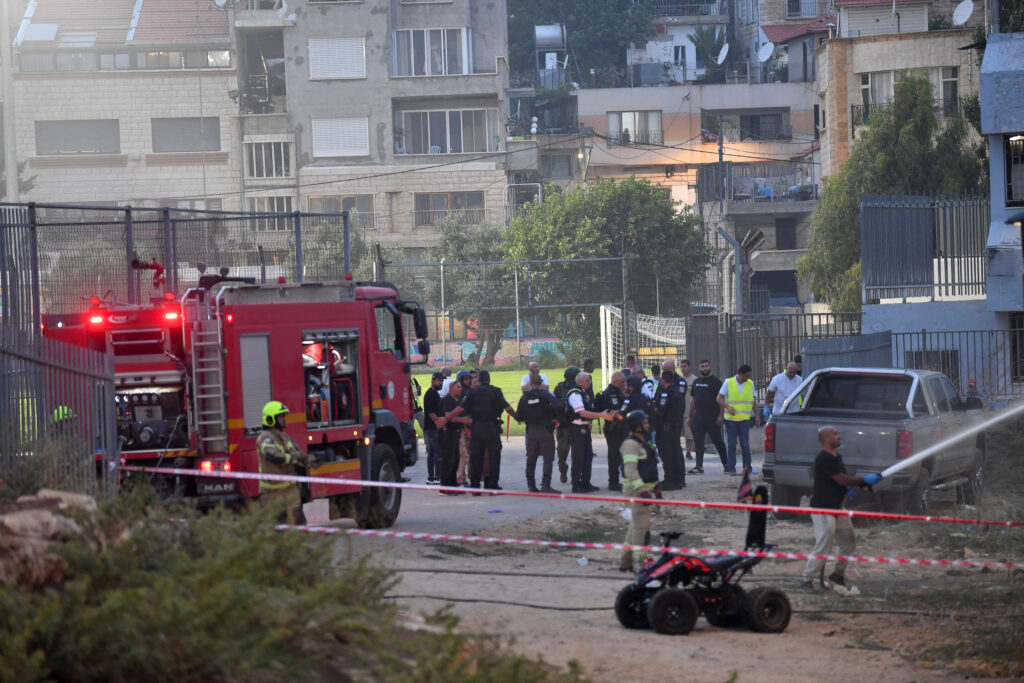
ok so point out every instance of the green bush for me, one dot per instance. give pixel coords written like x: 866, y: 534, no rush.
x: 155, y: 594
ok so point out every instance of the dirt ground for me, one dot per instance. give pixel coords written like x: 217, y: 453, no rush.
x: 907, y: 623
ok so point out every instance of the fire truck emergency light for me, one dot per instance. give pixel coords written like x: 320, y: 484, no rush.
x: 231, y: 317
x: 171, y: 315
x: 96, y: 319
x: 94, y: 301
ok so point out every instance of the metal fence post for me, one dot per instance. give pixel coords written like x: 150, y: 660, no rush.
x: 297, y: 217
x: 129, y: 248
x: 519, y: 341
x: 348, y: 247
x: 171, y: 273
x: 33, y: 256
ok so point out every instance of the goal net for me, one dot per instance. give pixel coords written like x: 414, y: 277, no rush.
x: 650, y: 338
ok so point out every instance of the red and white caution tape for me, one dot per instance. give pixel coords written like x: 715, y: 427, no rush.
x: 574, y: 496
x: 768, y: 554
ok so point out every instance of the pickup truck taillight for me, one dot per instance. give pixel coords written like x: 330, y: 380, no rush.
x: 904, y: 444
x: 769, y: 438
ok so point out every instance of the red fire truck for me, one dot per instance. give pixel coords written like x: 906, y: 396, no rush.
x: 193, y: 374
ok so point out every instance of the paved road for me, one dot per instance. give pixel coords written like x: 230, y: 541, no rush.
x: 426, y: 511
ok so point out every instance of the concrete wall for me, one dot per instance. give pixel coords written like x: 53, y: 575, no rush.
x: 934, y: 316
x: 861, y: 21
x: 134, y: 98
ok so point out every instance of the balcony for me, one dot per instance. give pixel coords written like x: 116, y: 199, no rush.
x: 640, y: 137
x: 861, y: 113
x: 694, y: 8
x: 262, y: 14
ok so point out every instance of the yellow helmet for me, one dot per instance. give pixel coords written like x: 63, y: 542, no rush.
x: 272, y: 411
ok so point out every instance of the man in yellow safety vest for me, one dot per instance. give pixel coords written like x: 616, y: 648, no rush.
x: 278, y: 454
x: 737, y: 400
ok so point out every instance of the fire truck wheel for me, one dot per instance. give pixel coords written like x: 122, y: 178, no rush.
x: 673, y: 612
x: 769, y: 610
x: 384, y: 503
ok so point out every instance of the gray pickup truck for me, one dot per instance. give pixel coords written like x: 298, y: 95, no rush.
x: 884, y: 415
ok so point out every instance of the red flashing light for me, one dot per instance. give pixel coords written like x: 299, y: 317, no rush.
x: 769, y: 438
x: 231, y: 317
x: 171, y: 315
x: 282, y: 280
x: 169, y: 296
x: 227, y: 467
x: 206, y: 466
x: 96, y: 319
x: 348, y: 276
x: 94, y: 301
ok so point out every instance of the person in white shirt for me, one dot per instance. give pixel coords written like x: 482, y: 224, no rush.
x: 782, y: 386
x: 535, y: 370
x: 448, y: 379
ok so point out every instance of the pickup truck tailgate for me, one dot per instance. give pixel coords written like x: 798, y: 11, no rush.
x: 868, y: 445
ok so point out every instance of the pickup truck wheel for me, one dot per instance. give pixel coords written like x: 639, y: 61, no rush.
x: 785, y: 495
x: 915, y: 500
x: 970, y: 492
x: 384, y: 503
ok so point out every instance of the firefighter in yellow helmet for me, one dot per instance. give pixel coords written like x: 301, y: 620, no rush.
x: 64, y: 420
x: 278, y: 454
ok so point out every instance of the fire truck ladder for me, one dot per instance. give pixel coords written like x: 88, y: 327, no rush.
x: 208, y: 387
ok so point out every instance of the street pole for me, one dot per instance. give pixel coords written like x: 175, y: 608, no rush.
x: 444, y: 321
x: 519, y: 341
x: 11, y: 190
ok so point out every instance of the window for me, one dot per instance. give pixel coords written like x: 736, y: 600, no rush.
x: 635, y: 127
x: 433, y: 207
x: 160, y: 60
x: 337, y: 58
x: 33, y: 62
x: 119, y: 60
x: 78, y: 137
x: 950, y: 90
x: 186, y: 134
x: 431, y: 52
x: 76, y: 61
x: 341, y: 138
x: 679, y: 55
x: 446, y: 132
x: 1014, y: 146
x: 272, y: 205
x: 875, y: 88
x: 556, y: 166
x: 360, y: 207
x: 941, y: 402
x: 761, y: 127
x: 268, y: 159
x: 801, y: 8
x: 389, y: 336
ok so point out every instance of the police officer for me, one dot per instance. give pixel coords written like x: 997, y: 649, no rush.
x: 579, y: 406
x: 563, y: 435
x: 634, y: 398
x: 670, y: 366
x: 668, y: 406
x: 611, y: 400
x: 485, y: 405
x: 278, y: 454
x: 538, y: 408
x: 640, y: 462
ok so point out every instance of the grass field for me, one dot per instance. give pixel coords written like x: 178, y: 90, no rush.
x: 510, y: 383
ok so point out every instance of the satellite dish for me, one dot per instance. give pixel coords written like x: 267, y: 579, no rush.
x: 963, y: 12
x: 722, y: 54
x: 765, y: 53
x: 220, y: 3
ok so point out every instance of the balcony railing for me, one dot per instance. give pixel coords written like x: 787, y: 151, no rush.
x: 421, y: 219
x: 801, y: 8
x: 641, y: 137
x: 685, y: 9
x: 860, y: 113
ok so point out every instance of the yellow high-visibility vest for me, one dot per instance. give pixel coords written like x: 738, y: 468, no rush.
x: 741, y: 398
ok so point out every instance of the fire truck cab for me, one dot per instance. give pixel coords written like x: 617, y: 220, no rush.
x: 194, y: 374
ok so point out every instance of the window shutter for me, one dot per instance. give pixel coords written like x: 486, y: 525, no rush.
x: 341, y: 137
x: 337, y: 58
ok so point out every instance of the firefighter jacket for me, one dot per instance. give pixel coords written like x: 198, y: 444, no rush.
x: 640, y: 461
x: 278, y: 454
x: 538, y: 407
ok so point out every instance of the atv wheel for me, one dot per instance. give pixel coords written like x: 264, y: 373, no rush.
x: 384, y: 503
x: 769, y: 610
x: 630, y: 608
x: 970, y: 492
x: 673, y: 612
x: 733, y: 606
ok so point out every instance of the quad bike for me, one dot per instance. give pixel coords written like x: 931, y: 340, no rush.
x: 672, y: 591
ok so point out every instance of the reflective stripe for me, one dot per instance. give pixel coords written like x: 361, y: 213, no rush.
x: 272, y: 485
x: 740, y: 398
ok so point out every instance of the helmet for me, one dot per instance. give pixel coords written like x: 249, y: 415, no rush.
x: 272, y: 411
x: 635, y: 381
x: 463, y: 373
x: 571, y: 372
x: 635, y: 419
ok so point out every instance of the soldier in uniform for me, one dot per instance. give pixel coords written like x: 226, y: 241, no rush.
x: 485, y: 405
x: 538, y: 409
x: 611, y: 399
x: 563, y: 437
x: 278, y: 454
x: 640, y: 462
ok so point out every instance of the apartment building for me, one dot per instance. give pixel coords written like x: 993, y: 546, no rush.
x: 392, y: 110
x: 125, y: 101
x: 873, y: 47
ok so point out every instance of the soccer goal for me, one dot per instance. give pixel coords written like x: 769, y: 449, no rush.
x: 650, y: 338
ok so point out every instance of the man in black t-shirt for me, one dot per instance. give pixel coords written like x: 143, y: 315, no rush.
x: 830, y: 531
x: 705, y: 416
x: 432, y: 410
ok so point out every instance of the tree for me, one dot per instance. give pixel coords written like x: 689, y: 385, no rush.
x: 599, y: 31
x: 632, y: 217
x: 478, y: 295
x: 908, y: 149
x: 708, y: 42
